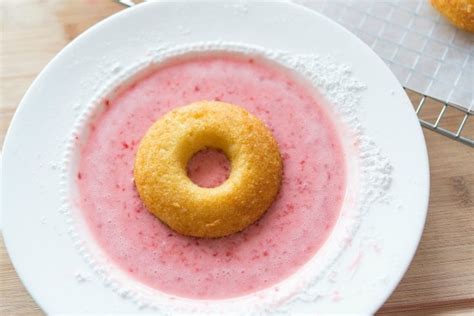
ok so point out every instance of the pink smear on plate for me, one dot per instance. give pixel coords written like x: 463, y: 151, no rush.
x: 286, y: 237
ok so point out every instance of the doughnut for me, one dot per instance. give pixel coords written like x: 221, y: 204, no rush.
x: 458, y: 12
x: 165, y: 189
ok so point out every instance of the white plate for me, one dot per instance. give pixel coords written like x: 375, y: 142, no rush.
x: 35, y: 232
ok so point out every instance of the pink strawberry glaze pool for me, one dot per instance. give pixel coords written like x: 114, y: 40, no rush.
x: 286, y: 237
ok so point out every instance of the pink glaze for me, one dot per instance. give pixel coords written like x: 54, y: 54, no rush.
x: 285, y: 238
x: 208, y: 168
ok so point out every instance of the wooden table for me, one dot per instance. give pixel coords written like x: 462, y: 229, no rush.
x: 440, y: 279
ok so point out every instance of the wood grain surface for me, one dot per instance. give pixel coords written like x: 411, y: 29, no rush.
x: 439, y: 281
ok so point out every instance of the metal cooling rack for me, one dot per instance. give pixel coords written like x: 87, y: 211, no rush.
x: 433, y: 126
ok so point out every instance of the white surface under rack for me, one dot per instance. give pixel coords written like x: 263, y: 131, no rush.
x: 426, y: 53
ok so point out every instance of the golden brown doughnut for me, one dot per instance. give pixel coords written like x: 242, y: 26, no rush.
x: 459, y: 12
x: 163, y: 154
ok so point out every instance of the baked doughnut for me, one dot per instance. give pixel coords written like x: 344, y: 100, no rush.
x: 459, y: 12
x: 164, y: 187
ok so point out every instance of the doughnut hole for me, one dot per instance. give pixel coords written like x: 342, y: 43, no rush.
x: 208, y: 168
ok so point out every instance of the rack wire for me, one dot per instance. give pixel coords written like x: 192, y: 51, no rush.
x: 433, y: 126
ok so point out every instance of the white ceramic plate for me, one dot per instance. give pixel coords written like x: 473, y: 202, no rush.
x: 35, y: 231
